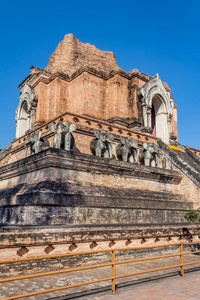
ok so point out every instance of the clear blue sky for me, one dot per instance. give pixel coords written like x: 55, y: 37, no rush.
x: 153, y: 36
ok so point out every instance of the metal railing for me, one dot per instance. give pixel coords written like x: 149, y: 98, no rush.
x: 112, y: 264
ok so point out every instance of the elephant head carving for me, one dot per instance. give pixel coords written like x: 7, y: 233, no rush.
x: 36, y: 143
x: 63, y: 138
x: 101, y: 145
x: 127, y: 149
x: 149, y: 154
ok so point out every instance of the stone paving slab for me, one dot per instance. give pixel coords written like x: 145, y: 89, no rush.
x: 166, y: 284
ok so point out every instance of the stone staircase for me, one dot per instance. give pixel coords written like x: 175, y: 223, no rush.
x: 186, y: 161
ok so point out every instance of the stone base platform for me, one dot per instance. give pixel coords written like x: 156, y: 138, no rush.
x: 90, y: 198
x: 55, y: 187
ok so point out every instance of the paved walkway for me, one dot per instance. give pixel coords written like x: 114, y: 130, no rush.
x: 166, y: 284
x: 172, y: 287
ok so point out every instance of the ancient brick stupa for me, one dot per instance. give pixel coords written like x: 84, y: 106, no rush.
x: 96, y: 159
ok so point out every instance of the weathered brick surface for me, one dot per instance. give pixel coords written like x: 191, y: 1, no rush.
x: 71, y: 54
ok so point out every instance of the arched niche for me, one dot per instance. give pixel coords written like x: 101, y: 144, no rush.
x: 159, y: 122
x: 25, y: 113
x: 156, y: 108
x: 23, y: 119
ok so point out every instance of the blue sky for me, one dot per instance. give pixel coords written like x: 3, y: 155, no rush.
x: 153, y: 36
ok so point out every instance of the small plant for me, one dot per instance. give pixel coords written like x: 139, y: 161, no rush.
x: 193, y: 216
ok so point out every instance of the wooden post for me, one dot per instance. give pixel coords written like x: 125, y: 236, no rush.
x: 113, y: 271
x: 181, y: 260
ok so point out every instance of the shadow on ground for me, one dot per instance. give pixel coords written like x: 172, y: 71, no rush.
x: 122, y: 285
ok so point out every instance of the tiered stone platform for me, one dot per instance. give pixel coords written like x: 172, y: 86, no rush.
x: 106, y: 198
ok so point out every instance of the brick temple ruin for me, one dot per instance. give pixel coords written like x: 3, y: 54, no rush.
x: 96, y: 161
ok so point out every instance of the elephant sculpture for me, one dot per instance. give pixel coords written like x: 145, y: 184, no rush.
x: 36, y: 143
x: 149, y: 154
x: 63, y: 139
x: 127, y: 149
x: 101, y: 145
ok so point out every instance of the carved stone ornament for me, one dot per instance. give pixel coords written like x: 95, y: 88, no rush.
x: 36, y: 143
x: 148, y: 155
x: 127, y: 149
x: 172, y: 140
x: 101, y: 146
x: 63, y: 138
x: 172, y: 137
x: 28, y: 95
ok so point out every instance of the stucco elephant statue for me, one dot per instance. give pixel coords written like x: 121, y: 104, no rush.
x: 149, y: 154
x: 127, y: 149
x: 63, y: 139
x: 36, y: 143
x: 101, y: 145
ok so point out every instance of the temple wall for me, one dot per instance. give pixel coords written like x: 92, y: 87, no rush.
x: 42, y: 94
x: 117, y: 98
x: 94, y: 97
x: 63, y: 97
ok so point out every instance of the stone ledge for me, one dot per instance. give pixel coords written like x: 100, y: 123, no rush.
x: 42, y: 235
x: 61, y: 159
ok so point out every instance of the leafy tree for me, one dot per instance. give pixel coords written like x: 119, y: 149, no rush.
x: 193, y: 216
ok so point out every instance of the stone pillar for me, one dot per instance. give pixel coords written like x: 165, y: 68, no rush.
x: 148, y: 111
x: 32, y: 120
x: 144, y: 112
x: 29, y: 120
